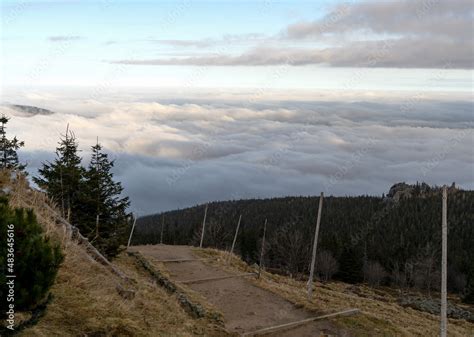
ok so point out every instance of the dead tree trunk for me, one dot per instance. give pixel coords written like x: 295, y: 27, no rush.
x: 203, y: 226
x: 260, y: 265
x: 315, y: 245
x: 444, y: 264
x: 235, y: 236
x: 131, y: 232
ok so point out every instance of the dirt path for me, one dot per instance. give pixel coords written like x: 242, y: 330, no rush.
x: 245, y: 307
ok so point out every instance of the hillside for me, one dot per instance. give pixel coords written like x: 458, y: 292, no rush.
x: 398, y: 235
x: 382, y: 314
x: 89, y: 299
x: 95, y: 298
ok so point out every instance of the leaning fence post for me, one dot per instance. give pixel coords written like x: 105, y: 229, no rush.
x: 262, y: 249
x: 203, y: 226
x: 131, y: 232
x: 235, y: 237
x: 444, y: 263
x: 315, y: 244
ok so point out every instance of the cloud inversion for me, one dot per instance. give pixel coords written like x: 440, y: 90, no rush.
x: 176, y: 153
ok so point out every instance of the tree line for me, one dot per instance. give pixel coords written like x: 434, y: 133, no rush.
x: 390, y: 240
x: 88, y: 197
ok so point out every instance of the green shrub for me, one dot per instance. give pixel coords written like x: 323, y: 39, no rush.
x: 36, y: 262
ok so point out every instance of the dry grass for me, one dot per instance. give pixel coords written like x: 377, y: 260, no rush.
x: 381, y: 314
x: 85, y: 300
x: 86, y: 303
x: 21, y: 195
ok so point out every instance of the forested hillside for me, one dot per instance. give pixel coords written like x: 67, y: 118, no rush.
x: 393, y: 239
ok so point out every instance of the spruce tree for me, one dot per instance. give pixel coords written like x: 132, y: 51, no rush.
x: 63, y: 179
x: 104, y: 209
x: 351, y: 264
x: 9, y: 148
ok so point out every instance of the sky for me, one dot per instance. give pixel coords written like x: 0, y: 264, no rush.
x: 214, y: 100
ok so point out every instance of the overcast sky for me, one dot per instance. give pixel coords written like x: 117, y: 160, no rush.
x: 209, y: 100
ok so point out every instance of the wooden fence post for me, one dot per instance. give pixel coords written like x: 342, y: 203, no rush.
x: 131, y: 232
x: 262, y: 249
x: 315, y: 244
x: 235, y: 237
x: 97, y: 220
x: 444, y: 264
x: 203, y: 227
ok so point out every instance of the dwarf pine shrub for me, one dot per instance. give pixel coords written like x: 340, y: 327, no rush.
x: 36, y: 258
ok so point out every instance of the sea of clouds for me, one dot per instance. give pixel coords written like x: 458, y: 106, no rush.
x: 177, y: 152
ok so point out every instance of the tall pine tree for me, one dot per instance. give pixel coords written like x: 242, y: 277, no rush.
x: 104, y: 209
x: 63, y: 179
x: 9, y: 148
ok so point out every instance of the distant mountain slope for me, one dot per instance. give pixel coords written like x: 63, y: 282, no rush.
x: 26, y: 110
x: 401, y: 232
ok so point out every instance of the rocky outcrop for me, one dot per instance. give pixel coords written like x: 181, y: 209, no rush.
x: 401, y: 191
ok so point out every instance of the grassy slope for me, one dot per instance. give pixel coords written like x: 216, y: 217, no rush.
x: 381, y: 315
x: 86, y: 301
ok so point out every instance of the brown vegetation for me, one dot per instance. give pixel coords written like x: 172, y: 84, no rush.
x: 381, y: 313
x: 86, y: 300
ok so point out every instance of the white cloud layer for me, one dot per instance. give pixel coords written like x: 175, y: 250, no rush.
x: 174, y: 153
